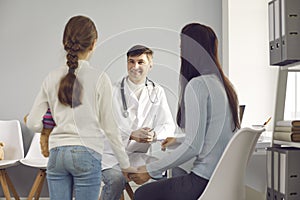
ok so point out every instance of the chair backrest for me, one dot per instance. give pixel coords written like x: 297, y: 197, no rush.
x: 34, y: 156
x: 34, y: 151
x: 227, y: 180
x: 11, y: 135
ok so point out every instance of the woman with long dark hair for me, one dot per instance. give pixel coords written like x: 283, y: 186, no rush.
x: 207, y: 113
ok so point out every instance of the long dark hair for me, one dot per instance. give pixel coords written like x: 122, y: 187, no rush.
x: 79, y: 36
x: 206, y: 37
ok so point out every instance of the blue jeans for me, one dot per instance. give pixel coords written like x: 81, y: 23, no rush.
x: 114, y: 183
x: 74, y: 167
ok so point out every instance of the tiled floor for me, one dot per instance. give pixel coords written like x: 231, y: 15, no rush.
x: 132, y: 184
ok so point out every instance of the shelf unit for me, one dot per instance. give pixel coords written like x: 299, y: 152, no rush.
x: 284, y: 41
x: 280, y: 99
x: 282, y: 164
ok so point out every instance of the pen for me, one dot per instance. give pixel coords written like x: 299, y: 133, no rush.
x: 151, y: 129
x: 267, y: 121
x: 151, y: 137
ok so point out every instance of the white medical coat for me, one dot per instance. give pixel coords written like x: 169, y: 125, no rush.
x: 150, y: 110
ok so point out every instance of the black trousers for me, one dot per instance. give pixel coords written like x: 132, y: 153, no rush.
x: 185, y: 187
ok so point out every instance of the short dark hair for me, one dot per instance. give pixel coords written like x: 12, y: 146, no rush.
x: 138, y: 50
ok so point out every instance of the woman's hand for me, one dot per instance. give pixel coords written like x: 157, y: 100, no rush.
x: 141, y: 176
x: 167, y: 142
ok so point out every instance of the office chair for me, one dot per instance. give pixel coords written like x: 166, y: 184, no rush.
x: 34, y: 158
x: 227, y: 180
x: 241, y: 112
x: 11, y: 135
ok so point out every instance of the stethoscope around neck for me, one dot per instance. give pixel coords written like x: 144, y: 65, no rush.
x: 125, y: 108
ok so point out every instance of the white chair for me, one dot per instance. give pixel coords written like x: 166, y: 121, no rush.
x: 227, y: 181
x: 11, y: 135
x: 34, y: 158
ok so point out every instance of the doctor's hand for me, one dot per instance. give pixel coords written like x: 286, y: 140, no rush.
x: 143, y: 135
x: 167, y: 142
x: 141, y: 176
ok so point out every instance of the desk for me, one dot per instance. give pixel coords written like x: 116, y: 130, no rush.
x: 256, y: 173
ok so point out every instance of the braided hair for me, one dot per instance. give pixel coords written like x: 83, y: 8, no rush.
x: 79, y: 36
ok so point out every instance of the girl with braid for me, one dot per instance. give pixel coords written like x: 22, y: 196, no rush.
x: 79, y: 98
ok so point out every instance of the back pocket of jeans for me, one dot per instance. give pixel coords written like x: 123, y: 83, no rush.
x: 82, y: 159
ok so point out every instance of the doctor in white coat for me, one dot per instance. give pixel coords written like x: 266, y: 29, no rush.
x: 143, y: 116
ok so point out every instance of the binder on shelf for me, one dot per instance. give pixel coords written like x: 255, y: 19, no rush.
x: 283, y: 173
x: 292, y: 181
x: 284, y: 32
x: 270, y: 191
x: 276, y: 174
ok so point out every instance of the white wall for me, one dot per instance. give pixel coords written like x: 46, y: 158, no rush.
x: 248, y: 59
x: 246, y: 53
x: 31, y: 35
x: 30, y: 46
